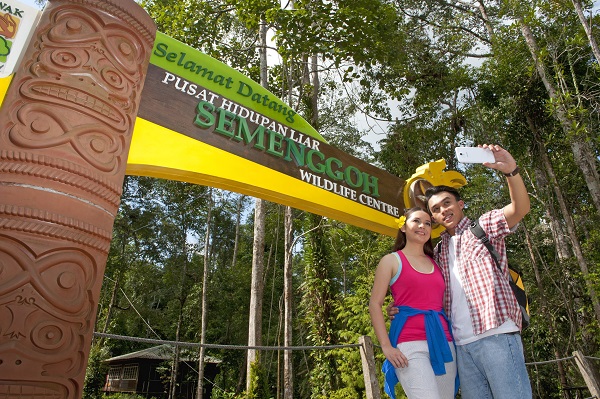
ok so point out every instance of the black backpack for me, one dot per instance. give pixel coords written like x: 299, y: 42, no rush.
x: 515, y: 278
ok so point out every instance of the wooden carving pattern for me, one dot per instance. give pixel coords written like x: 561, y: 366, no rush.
x: 44, y: 302
x: 35, y: 165
x: 53, y: 226
x: 65, y: 129
x: 83, y: 87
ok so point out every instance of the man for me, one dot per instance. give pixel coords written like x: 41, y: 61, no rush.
x: 485, y: 316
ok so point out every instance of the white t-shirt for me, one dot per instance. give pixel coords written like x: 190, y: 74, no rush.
x: 462, y: 329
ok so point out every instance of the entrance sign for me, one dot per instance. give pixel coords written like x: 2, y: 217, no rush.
x: 203, y: 122
x: 17, y: 22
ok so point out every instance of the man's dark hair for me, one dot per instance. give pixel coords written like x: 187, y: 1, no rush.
x: 431, y: 191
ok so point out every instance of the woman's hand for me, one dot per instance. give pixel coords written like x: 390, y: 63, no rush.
x: 395, y: 356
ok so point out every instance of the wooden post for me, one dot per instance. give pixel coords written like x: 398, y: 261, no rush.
x: 589, y: 373
x: 368, y: 365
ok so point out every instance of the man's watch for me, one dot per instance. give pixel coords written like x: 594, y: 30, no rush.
x: 513, y: 173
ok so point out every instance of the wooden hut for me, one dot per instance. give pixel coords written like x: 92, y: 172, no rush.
x: 147, y: 373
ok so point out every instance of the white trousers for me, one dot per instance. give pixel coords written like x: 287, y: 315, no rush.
x: 418, y: 379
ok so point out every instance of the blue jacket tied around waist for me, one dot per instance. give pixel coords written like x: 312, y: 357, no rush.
x: 439, y: 347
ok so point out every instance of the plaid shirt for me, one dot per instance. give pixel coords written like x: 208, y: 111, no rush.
x: 489, y: 296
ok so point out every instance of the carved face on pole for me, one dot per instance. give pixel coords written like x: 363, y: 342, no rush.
x: 89, y: 65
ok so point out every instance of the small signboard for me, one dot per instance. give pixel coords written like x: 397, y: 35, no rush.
x: 17, y: 23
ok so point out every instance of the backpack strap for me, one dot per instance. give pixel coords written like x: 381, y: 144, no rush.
x: 438, y: 248
x: 477, y: 230
x: 519, y: 292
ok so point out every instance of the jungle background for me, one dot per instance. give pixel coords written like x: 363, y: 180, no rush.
x: 398, y: 84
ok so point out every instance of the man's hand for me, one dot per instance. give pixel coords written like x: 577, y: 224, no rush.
x: 391, y: 310
x: 505, y: 162
x: 519, y: 198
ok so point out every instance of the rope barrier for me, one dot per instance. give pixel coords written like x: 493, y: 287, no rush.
x: 549, y: 361
x: 219, y: 346
x: 272, y: 348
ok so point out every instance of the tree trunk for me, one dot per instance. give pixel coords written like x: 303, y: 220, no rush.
x: 318, y: 295
x: 182, y: 300
x: 317, y: 304
x: 587, y: 161
x: 316, y: 87
x: 115, y: 290
x: 544, y: 306
x: 486, y: 19
x: 175, y: 365
x: 543, y: 173
x: 566, y: 215
x: 257, y: 288
x: 288, y: 376
x: 202, y: 353
x: 113, y: 300
x: 588, y: 29
x: 288, y: 293
x: 238, y: 218
x: 579, y: 146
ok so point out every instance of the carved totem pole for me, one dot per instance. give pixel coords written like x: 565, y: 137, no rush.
x: 65, y: 130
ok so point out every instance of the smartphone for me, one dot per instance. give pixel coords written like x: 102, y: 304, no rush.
x: 474, y: 155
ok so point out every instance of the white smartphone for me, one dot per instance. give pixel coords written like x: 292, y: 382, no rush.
x: 474, y: 155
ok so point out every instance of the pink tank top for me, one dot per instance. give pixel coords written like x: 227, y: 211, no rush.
x: 418, y: 290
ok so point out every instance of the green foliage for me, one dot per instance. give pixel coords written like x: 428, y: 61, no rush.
x: 353, y: 318
x: 221, y: 394
x: 95, y: 372
x: 209, y: 26
x: 259, y: 383
x: 121, y: 395
x: 316, y: 306
x: 344, y: 393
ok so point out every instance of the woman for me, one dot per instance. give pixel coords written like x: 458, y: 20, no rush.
x: 419, y: 351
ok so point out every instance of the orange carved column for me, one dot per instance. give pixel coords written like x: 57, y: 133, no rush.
x: 65, y: 130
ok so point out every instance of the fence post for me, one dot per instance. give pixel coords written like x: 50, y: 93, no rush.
x: 368, y: 364
x: 589, y: 373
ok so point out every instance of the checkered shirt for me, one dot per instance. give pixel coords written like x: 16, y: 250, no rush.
x: 489, y: 296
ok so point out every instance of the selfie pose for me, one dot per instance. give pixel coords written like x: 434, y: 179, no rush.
x: 419, y: 350
x: 486, y: 318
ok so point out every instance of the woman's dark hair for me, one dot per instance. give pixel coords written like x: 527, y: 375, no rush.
x: 431, y: 191
x: 401, y: 237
